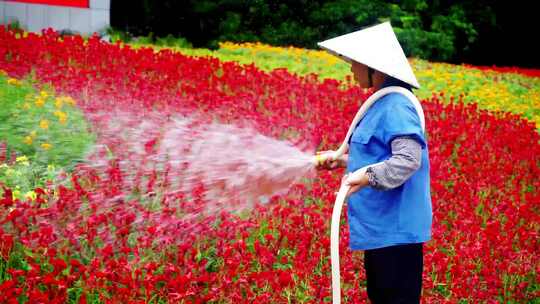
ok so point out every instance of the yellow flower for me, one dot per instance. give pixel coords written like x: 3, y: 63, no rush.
x: 46, y: 146
x: 24, y: 161
x: 40, y: 102
x: 21, y: 159
x: 13, y: 81
x: 28, y: 140
x: 30, y: 195
x: 44, y: 124
x: 16, y: 194
x: 44, y: 94
x: 59, y: 102
x: 69, y: 100
x: 62, y: 116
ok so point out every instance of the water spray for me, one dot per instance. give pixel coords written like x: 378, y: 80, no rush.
x: 249, y: 167
x: 344, y: 188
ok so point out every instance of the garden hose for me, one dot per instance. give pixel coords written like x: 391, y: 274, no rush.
x: 334, y: 242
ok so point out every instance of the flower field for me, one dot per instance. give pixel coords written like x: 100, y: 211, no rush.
x: 515, y: 90
x: 93, y: 235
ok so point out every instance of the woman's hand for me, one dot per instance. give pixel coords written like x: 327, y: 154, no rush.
x: 328, y: 163
x: 356, y: 180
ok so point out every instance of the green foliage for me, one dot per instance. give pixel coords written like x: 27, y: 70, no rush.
x: 15, y: 25
x: 47, y: 134
x: 118, y: 35
x: 48, y: 129
x: 166, y: 41
x: 22, y: 177
x: 15, y: 260
x: 171, y: 41
x: 430, y: 30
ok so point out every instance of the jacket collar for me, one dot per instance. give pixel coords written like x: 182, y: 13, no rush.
x: 391, y: 81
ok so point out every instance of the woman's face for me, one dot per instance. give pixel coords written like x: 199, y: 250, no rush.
x: 360, y: 74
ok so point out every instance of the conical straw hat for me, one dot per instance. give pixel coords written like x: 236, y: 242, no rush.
x: 376, y: 47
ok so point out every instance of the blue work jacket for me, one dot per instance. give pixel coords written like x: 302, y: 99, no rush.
x: 403, y: 215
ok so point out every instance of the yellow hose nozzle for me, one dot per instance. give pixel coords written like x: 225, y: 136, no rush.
x: 319, y: 159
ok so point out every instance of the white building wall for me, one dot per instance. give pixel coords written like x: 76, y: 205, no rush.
x: 35, y: 17
x: 38, y: 18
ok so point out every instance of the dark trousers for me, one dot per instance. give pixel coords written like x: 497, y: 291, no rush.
x: 394, y: 274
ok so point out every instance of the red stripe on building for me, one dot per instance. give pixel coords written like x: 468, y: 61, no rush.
x: 75, y: 3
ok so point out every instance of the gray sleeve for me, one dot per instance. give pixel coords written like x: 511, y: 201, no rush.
x: 405, y: 160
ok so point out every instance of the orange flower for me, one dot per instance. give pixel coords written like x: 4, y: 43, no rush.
x: 40, y: 101
x: 46, y: 146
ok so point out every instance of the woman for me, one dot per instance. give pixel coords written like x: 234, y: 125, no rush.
x: 389, y: 204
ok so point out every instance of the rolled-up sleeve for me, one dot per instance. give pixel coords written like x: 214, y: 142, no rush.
x: 405, y: 160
